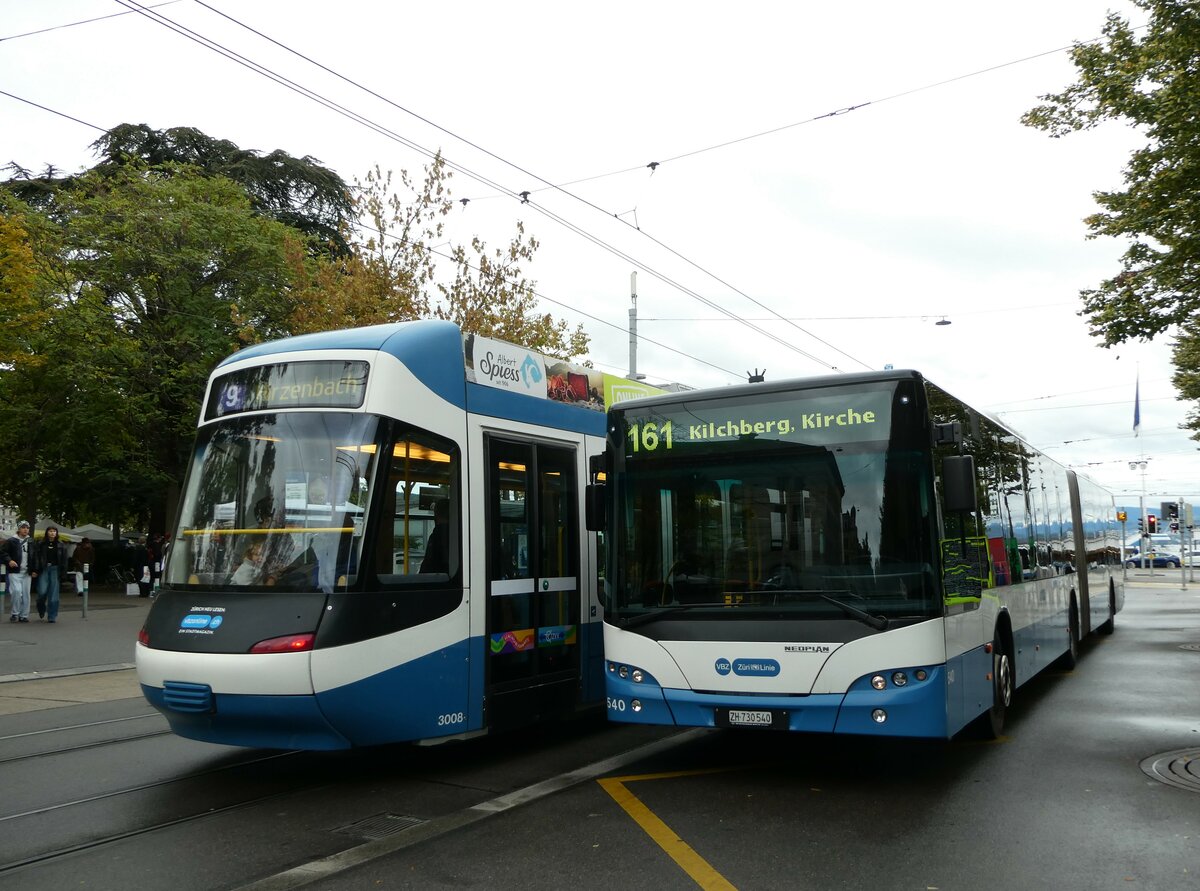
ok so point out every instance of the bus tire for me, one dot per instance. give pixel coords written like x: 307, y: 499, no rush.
x: 1070, y: 658
x: 991, y: 723
x: 1110, y: 626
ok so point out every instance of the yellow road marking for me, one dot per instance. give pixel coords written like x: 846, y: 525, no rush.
x: 700, y: 870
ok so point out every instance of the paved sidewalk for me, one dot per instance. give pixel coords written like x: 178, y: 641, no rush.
x: 1168, y: 576
x: 74, y: 660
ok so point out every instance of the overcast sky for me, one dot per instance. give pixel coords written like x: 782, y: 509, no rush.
x: 842, y: 237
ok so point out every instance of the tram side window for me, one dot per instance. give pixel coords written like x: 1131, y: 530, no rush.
x: 419, y: 537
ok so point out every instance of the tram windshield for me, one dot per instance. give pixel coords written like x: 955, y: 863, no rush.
x: 781, y: 523
x: 276, y: 501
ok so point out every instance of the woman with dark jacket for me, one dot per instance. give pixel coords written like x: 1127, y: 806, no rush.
x: 50, y: 562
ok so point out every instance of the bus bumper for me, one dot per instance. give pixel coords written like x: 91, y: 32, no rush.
x: 915, y: 710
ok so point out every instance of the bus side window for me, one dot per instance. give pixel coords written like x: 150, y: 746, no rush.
x: 421, y: 544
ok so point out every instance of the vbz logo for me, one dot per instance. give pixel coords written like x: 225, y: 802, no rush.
x: 723, y: 667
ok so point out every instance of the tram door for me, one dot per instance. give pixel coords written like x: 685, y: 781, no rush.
x: 533, y: 582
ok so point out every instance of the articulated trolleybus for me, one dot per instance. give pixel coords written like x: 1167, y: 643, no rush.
x: 860, y: 553
x: 381, y: 538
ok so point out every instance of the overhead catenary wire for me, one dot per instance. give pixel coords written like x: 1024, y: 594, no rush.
x: 98, y: 18
x: 380, y: 129
x: 46, y: 108
x: 316, y: 97
x: 547, y: 184
x: 653, y: 165
x: 127, y: 309
x: 525, y: 195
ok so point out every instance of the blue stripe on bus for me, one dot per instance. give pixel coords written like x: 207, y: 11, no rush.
x: 261, y: 722
x: 421, y: 699
x: 484, y: 400
x: 918, y: 710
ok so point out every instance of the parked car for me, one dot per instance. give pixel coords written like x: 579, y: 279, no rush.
x: 1157, y: 561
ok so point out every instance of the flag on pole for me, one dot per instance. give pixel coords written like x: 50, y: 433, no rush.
x: 1137, y: 404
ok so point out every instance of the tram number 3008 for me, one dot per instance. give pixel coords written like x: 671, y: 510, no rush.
x: 616, y: 705
x: 452, y: 718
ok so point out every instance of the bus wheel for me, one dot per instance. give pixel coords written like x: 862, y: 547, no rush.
x: 1070, y: 658
x: 1110, y: 626
x: 991, y: 722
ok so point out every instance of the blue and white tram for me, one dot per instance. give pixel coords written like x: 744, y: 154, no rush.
x: 381, y: 538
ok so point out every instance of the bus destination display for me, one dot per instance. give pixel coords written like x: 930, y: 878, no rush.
x: 799, y: 419
x: 318, y: 384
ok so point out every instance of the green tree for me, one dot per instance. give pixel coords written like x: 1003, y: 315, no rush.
x: 122, y: 287
x: 1151, y: 81
x: 392, y: 274
x: 26, y: 304
x: 161, y: 272
x: 299, y: 192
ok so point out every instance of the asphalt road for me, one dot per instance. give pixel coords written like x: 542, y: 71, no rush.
x: 96, y: 795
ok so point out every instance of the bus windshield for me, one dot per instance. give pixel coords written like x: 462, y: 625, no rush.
x: 745, y: 515
x: 276, y: 501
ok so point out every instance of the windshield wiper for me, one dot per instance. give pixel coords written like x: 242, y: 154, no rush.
x: 879, y: 623
x: 643, y: 618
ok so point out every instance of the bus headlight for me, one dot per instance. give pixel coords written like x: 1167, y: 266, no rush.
x: 637, y: 676
x: 899, y: 679
x: 878, y: 716
x: 879, y: 682
x: 623, y: 672
x: 636, y: 705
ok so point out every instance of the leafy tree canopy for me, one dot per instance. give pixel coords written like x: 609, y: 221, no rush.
x: 1150, y: 80
x: 122, y: 287
x: 392, y: 274
x: 299, y: 192
x: 134, y: 294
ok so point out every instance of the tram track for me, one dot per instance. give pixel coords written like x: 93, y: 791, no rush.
x: 49, y: 733
x: 112, y: 838
x: 10, y: 823
x: 82, y: 746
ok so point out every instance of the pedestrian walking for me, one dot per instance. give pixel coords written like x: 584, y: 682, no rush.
x: 18, y: 557
x: 50, y: 561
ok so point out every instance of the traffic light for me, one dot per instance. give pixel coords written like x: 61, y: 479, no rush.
x: 1151, y: 524
x: 1141, y: 526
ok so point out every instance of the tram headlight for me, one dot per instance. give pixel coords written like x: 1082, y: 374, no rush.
x: 879, y: 682
x: 899, y: 679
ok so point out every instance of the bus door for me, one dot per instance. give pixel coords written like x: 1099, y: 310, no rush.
x: 533, y: 612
